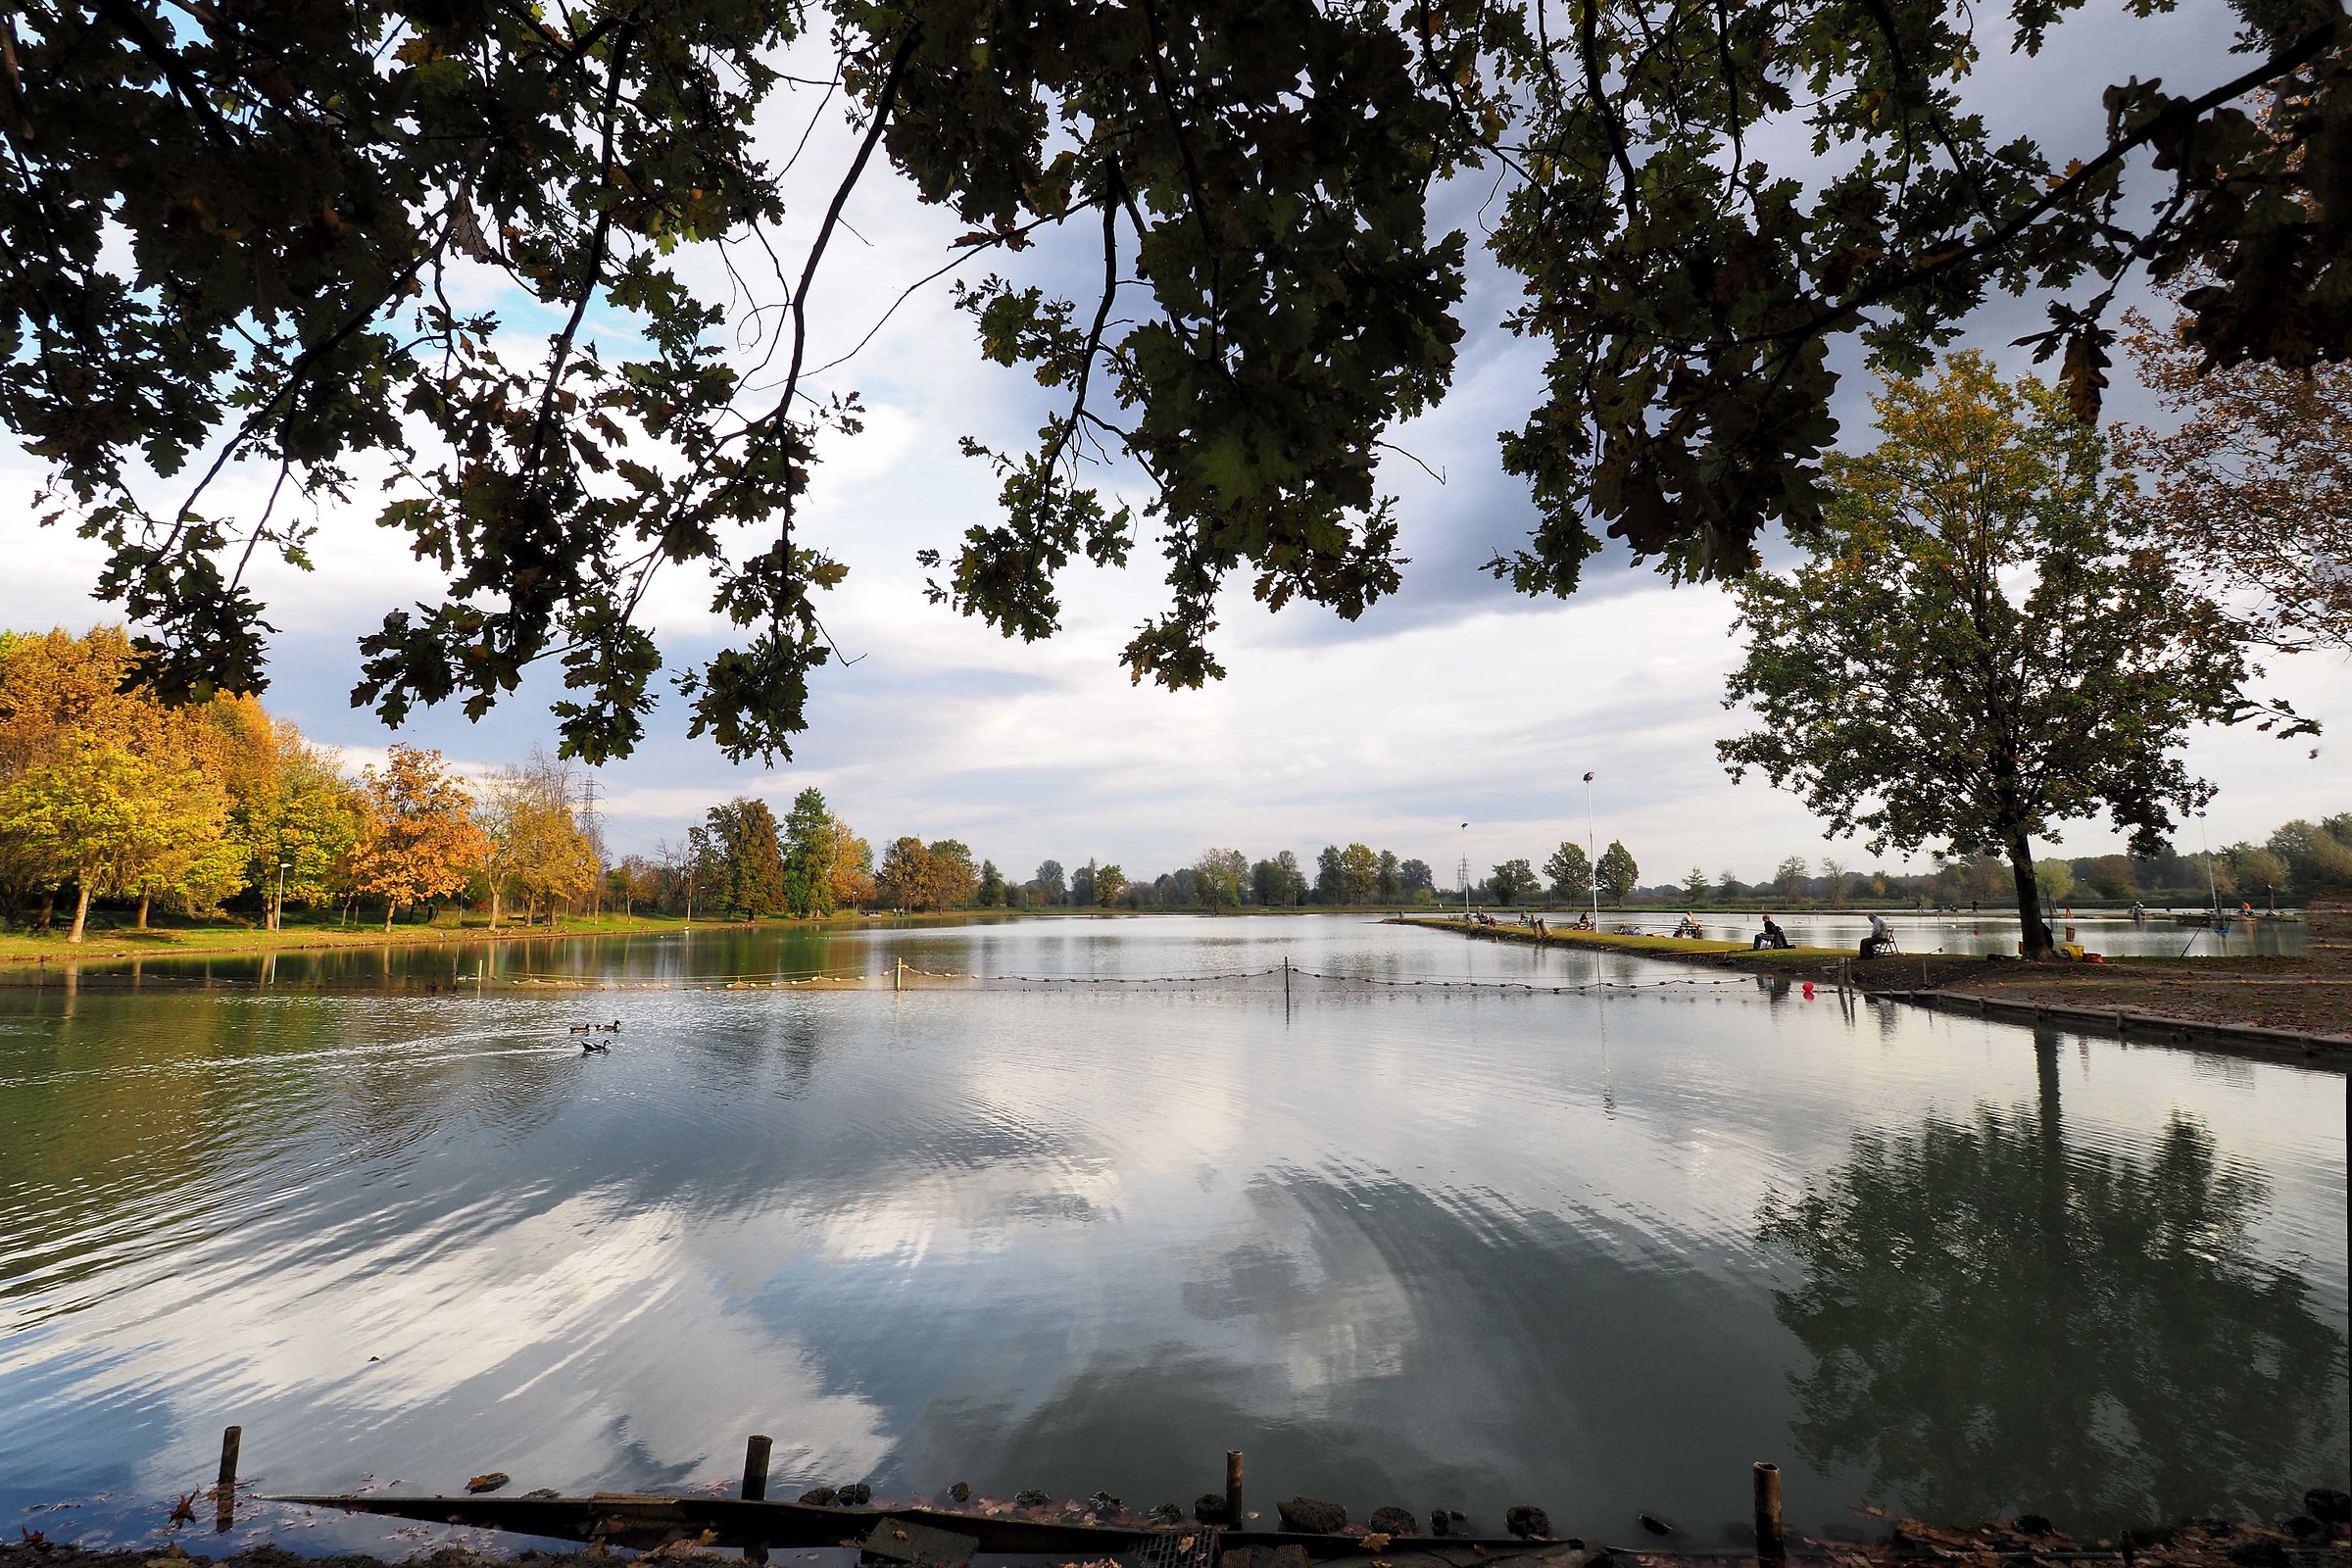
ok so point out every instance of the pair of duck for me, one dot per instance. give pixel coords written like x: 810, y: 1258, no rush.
x: 592, y: 1048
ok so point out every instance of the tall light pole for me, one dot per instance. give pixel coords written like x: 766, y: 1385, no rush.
x: 2212, y: 883
x: 1592, y: 850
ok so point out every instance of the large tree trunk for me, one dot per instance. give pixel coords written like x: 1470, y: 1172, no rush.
x: 81, y: 909
x: 144, y: 896
x: 389, y: 910
x: 48, y: 908
x: 2029, y: 899
x: 494, y: 903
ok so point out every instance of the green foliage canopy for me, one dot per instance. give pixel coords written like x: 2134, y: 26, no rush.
x: 1570, y: 870
x: 228, y: 235
x: 744, y: 858
x: 1617, y: 874
x: 1513, y: 880
x: 1979, y: 646
x: 809, y: 855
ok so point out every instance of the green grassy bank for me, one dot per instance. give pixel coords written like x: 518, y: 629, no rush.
x: 1795, y: 958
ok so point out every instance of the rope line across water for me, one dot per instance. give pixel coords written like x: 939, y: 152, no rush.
x: 877, y: 979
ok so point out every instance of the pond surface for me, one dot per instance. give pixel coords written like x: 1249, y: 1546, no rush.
x: 1596, y: 1249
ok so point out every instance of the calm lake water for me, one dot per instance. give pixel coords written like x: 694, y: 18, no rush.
x: 1425, y: 1245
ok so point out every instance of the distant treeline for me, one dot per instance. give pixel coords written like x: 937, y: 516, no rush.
x: 2298, y: 859
x: 739, y: 861
x: 111, y: 800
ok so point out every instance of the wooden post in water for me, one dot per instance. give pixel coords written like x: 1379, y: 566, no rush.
x: 1286, y: 979
x: 1772, y: 1544
x: 897, y: 974
x: 754, y: 1468
x: 1233, y: 1490
x: 755, y: 1487
x: 225, y: 1492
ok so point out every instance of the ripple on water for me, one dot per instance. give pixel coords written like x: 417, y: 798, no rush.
x: 1398, y: 1243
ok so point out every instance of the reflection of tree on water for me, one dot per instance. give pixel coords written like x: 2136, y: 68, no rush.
x: 1999, y: 1322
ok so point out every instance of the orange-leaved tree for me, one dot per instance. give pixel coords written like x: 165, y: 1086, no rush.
x: 417, y: 839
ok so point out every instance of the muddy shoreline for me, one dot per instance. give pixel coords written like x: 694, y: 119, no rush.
x: 2202, y: 1543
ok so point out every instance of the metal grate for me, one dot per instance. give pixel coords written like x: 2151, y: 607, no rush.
x: 1192, y: 1547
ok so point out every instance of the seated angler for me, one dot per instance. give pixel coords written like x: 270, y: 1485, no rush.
x: 1880, y: 941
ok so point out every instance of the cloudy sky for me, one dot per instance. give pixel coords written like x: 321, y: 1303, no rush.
x: 1452, y: 701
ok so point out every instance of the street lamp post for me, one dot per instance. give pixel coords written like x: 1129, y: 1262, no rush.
x: 1592, y: 852
x: 2212, y: 883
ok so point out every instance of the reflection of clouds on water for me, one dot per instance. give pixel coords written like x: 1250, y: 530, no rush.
x: 1393, y: 1244
x: 943, y: 1218
x: 1317, y: 1303
x: 569, y: 1343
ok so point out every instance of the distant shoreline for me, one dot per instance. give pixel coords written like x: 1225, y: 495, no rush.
x: 2305, y: 1004
x: 21, y: 949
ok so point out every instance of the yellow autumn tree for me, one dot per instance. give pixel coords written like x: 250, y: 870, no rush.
x: 190, y: 752
x: 51, y: 684
x: 417, y: 836
x: 849, y: 862
x: 54, y: 683
x: 534, y: 850
x: 112, y: 819
x: 107, y: 789
x: 297, y: 823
